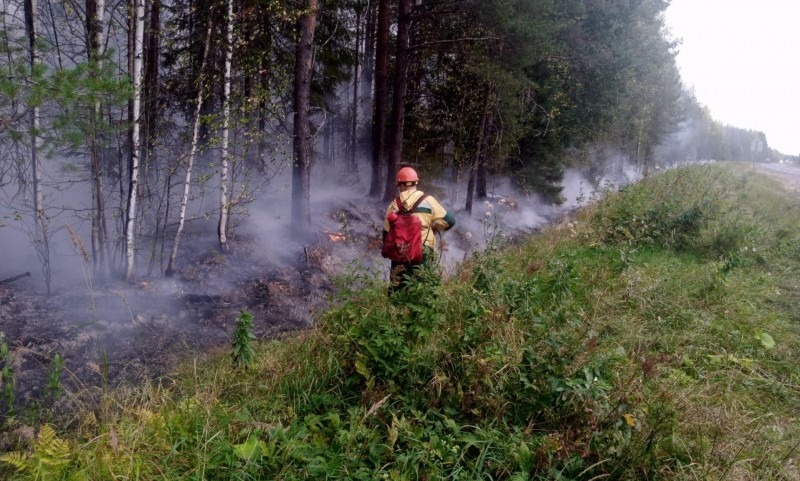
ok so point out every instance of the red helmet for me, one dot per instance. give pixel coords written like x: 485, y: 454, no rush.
x: 407, y: 174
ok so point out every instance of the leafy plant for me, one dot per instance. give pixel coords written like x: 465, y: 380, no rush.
x: 243, y: 336
x: 54, y: 375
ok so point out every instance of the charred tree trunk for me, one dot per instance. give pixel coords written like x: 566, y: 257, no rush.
x: 380, y: 99
x: 302, y: 143
x: 262, y: 119
x: 482, y: 174
x: 470, y: 189
x: 368, y: 67
x: 149, y: 127
x: 399, y: 99
x: 480, y: 149
x: 480, y: 188
x: 353, y: 165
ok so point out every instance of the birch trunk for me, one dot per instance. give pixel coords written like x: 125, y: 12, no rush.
x: 222, y: 228
x: 136, y: 147
x: 192, y: 154
x: 94, y: 31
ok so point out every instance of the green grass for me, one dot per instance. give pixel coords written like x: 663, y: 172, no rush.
x: 653, y: 336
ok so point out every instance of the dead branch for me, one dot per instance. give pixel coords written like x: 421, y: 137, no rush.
x: 12, y: 279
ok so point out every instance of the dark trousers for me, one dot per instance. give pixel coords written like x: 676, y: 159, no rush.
x: 402, y: 274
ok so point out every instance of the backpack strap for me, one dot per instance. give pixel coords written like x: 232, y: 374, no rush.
x: 402, y: 208
x: 418, y: 202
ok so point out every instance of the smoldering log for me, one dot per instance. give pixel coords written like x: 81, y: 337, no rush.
x: 15, y: 278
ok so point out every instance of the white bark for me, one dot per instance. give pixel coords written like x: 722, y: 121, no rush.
x: 136, y: 147
x: 190, y: 162
x: 222, y: 230
x: 101, y: 7
x: 35, y: 117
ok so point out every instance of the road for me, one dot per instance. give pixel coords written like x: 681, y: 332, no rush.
x: 783, y: 168
x: 788, y: 174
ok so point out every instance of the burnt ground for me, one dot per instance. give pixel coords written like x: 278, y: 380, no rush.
x: 120, y: 333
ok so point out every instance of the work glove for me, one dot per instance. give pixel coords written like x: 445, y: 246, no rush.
x: 440, y: 225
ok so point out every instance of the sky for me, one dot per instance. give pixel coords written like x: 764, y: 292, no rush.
x: 742, y: 58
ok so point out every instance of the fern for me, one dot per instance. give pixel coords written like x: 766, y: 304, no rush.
x: 51, y: 455
x: 50, y: 449
x: 16, y: 459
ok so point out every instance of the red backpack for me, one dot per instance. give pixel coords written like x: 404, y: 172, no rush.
x: 403, y: 243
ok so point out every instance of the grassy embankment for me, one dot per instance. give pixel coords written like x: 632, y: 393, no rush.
x: 653, y: 338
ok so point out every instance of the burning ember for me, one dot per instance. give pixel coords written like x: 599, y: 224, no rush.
x: 335, y: 236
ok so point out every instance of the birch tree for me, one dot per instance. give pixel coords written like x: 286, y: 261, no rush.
x: 94, y: 34
x: 135, y: 154
x: 222, y: 228
x: 192, y: 154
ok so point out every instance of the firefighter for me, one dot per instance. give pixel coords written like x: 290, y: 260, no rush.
x: 432, y: 217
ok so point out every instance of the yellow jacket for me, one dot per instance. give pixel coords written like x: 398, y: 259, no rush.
x: 430, y: 213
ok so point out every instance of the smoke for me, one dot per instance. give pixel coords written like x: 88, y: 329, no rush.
x: 680, y: 146
x: 338, y: 205
x: 64, y: 195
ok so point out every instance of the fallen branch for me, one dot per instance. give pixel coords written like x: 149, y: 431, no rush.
x: 12, y: 279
